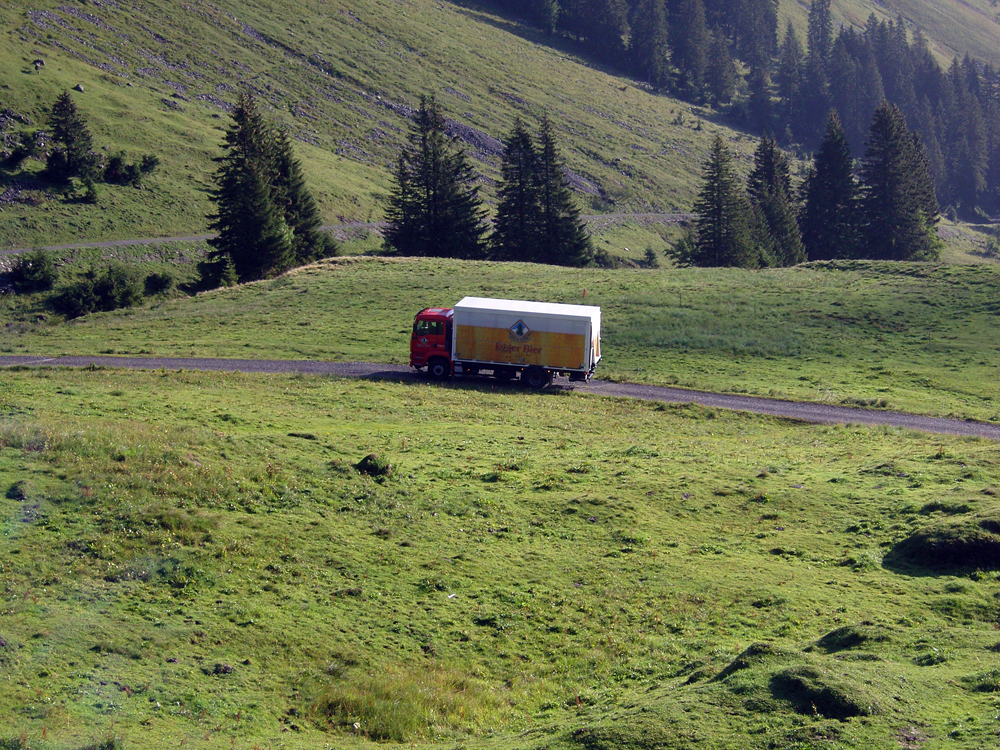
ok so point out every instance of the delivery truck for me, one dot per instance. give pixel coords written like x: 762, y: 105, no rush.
x: 507, y: 339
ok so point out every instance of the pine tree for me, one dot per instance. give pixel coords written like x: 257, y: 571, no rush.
x: 649, y: 43
x: 251, y: 227
x: 769, y: 187
x: 897, y: 215
x: 434, y: 208
x: 689, y: 40
x: 758, y: 31
x: 517, y: 226
x: 722, y: 227
x: 298, y: 206
x: 73, y: 155
x: 819, y: 39
x: 760, y: 108
x: 829, y: 217
x: 720, y: 72
x: 789, y: 75
x: 563, y: 239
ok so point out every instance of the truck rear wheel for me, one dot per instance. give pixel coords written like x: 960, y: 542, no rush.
x: 537, y: 377
x: 438, y: 368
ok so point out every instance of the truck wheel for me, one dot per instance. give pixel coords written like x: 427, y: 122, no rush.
x: 438, y: 369
x: 537, y: 377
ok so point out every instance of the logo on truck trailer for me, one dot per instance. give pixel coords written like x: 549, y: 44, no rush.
x: 519, y: 331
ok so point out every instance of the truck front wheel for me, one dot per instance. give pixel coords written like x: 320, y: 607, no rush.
x: 537, y: 377
x: 438, y: 368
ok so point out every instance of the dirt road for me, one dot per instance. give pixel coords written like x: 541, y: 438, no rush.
x: 805, y: 412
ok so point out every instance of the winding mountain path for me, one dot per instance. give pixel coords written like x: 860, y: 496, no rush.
x: 805, y: 412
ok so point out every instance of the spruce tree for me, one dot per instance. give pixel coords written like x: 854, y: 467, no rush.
x: 829, y: 217
x: 897, y: 215
x: 649, y: 42
x: 250, y: 224
x: 563, y: 238
x: 298, y: 206
x: 517, y: 226
x: 73, y: 155
x: 769, y: 187
x: 722, y: 226
x: 788, y: 78
x: 689, y: 40
x: 720, y: 72
x: 434, y: 208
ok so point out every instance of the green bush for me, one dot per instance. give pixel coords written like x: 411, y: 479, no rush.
x: 33, y: 272
x: 159, y: 283
x: 117, y: 287
x: 114, y: 288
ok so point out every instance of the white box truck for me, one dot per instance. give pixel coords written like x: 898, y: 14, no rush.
x: 534, y: 341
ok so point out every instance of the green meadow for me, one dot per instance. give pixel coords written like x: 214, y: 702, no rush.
x: 911, y: 337
x: 193, y: 558
x: 209, y: 559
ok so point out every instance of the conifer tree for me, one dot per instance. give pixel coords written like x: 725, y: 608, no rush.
x: 819, y: 39
x: 251, y: 228
x: 434, y: 208
x: 769, y: 187
x: 829, y: 217
x: 564, y: 239
x: 73, y: 155
x: 517, y: 226
x: 760, y: 108
x: 649, y: 42
x: 788, y: 78
x: 897, y: 215
x: 722, y: 227
x: 720, y: 72
x: 689, y: 40
x: 298, y: 206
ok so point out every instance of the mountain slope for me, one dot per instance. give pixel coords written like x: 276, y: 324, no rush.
x: 159, y: 76
x: 343, y: 77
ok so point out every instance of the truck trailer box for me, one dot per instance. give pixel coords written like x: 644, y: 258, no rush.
x: 525, y: 334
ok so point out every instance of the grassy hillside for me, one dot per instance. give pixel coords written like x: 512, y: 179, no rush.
x: 343, y: 78
x: 193, y: 559
x: 159, y: 76
x: 953, y: 27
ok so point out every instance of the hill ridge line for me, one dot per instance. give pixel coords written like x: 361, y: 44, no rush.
x: 802, y: 411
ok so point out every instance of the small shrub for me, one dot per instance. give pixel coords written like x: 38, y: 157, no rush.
x: 159, y: 283
x: 26, y: 145
x: 117, y: 287
x: 76, y: 299
x: 33, y: 272
x: 113, y: 288
x: 119, y: 171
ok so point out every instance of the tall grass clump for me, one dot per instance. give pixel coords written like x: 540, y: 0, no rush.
x: 404, y: 703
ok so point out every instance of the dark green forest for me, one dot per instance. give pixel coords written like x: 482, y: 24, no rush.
x: 732, y: 55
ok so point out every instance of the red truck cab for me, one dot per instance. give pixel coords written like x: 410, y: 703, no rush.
x: 430, y: 344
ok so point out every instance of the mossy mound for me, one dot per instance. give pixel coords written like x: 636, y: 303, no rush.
x: 635, y: 733
x: 754, y: 655
x: 814, y: 690
x: 374, y: 465
x: 852, y: 636
x: 972, y: 541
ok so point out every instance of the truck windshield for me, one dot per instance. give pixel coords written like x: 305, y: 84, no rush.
x: 428, y: 328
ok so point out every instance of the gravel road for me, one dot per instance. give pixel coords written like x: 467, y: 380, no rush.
x: 805, y: 412
x: 651, y: 218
